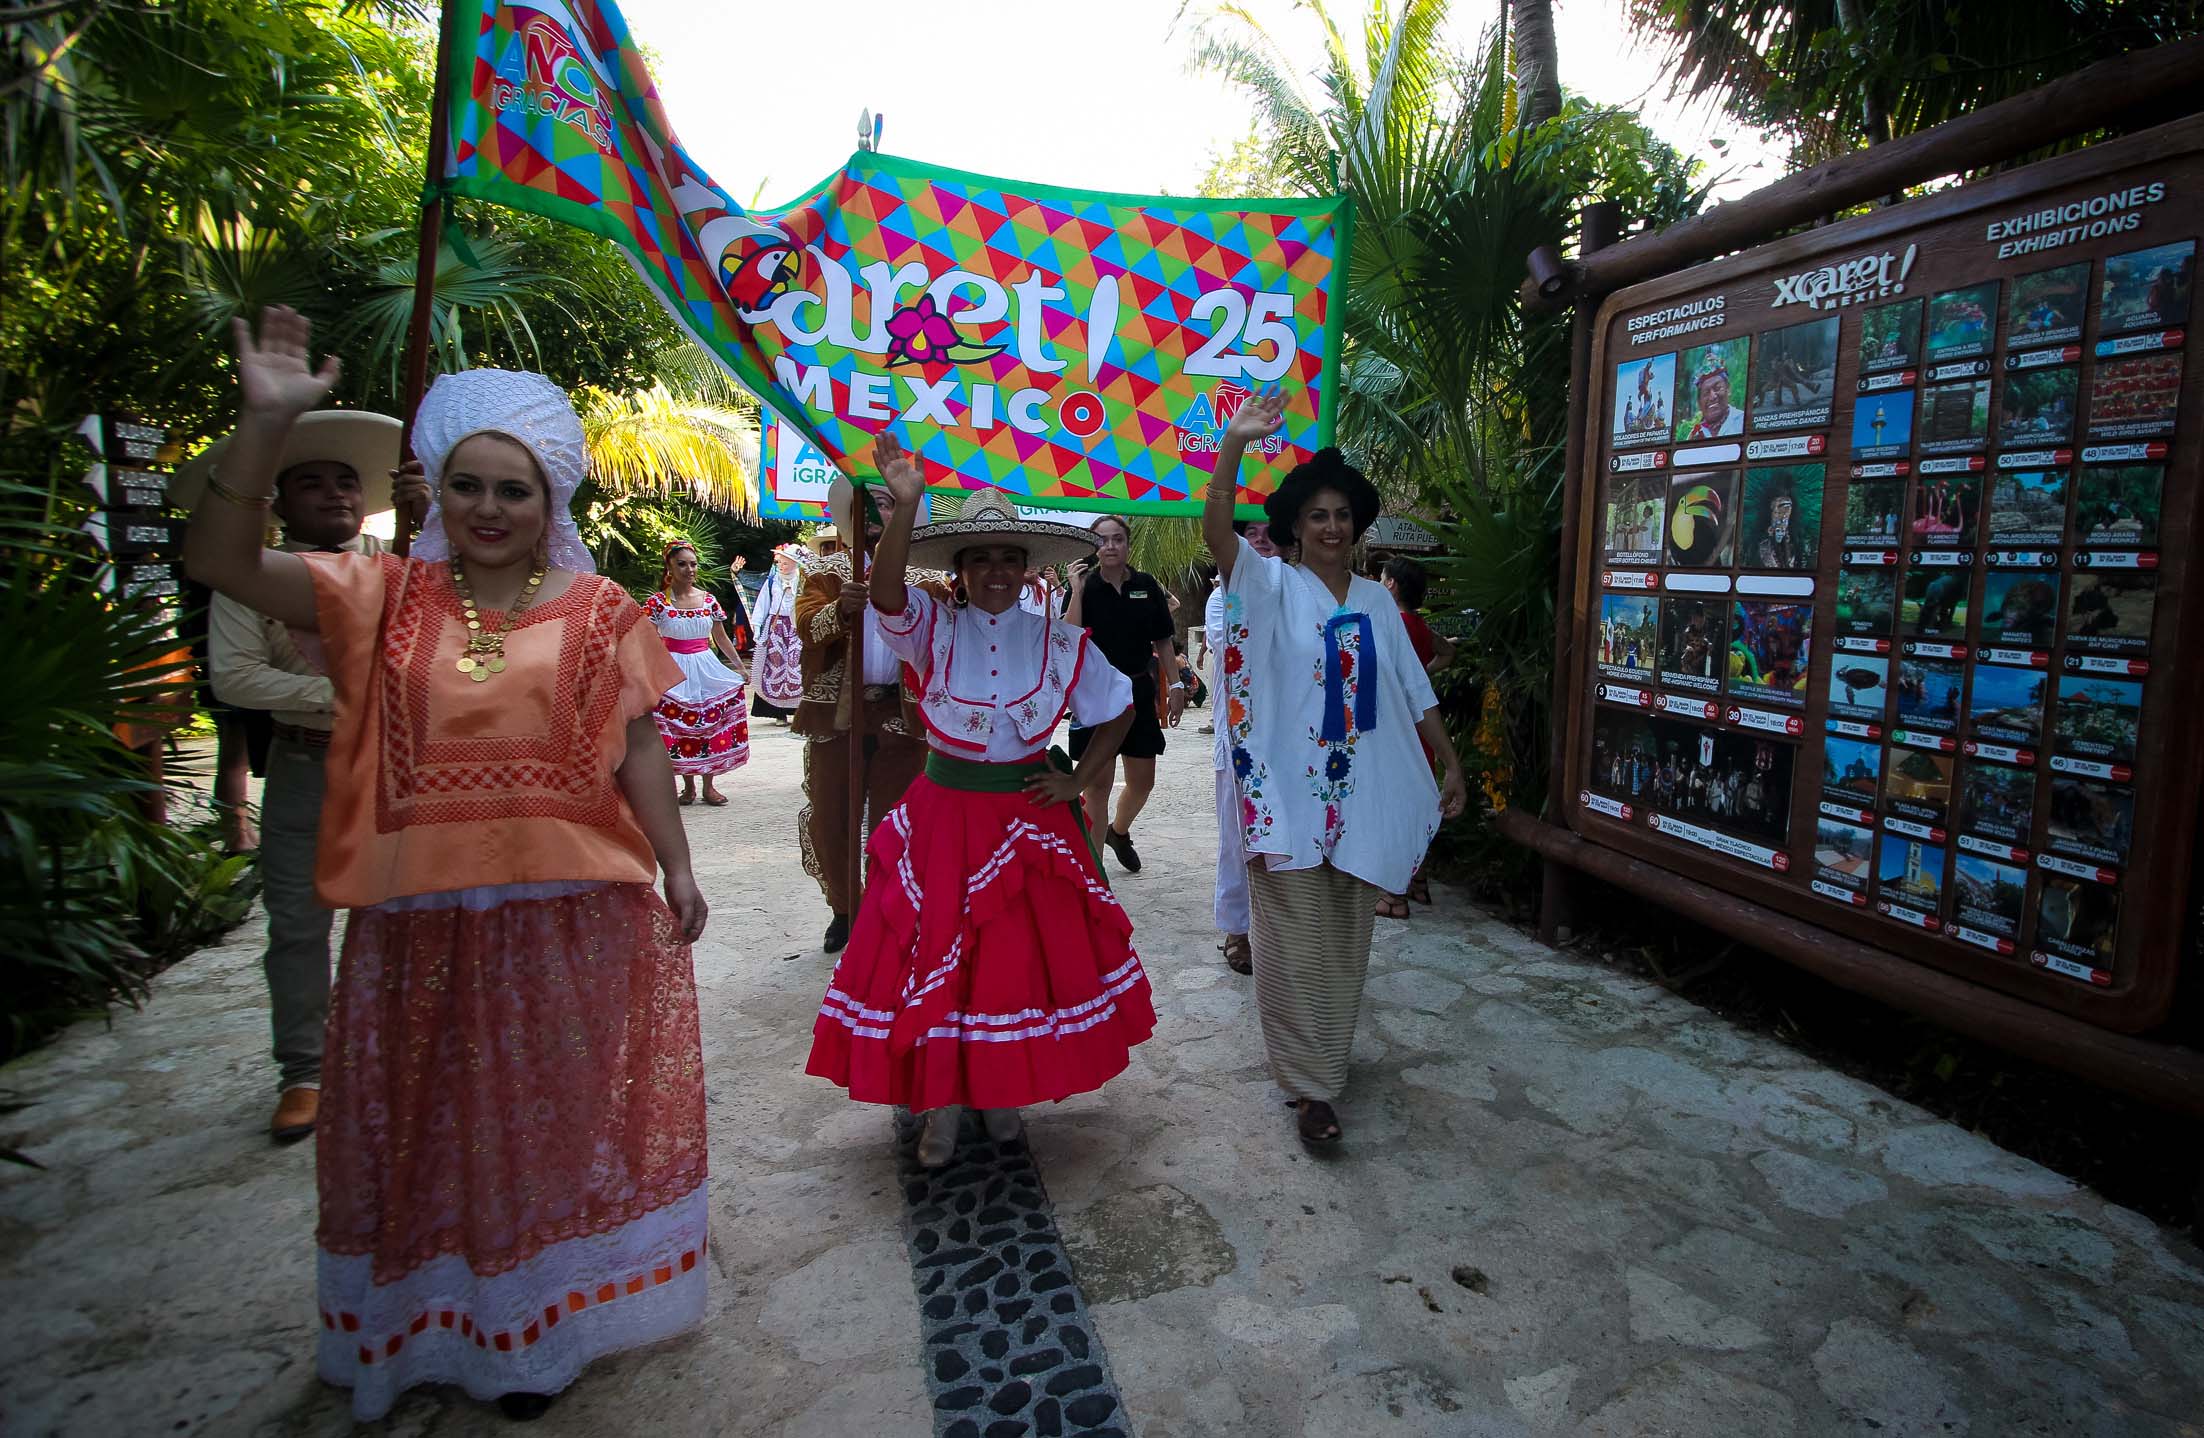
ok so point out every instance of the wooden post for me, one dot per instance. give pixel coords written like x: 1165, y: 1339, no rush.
x: 428, y: 242
x: 854, y: 676
x: 1599, y: 225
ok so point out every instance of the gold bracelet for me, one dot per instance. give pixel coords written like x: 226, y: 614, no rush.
x: 242, y: 501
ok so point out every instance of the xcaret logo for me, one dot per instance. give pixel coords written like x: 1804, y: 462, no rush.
x: 1202, y: 427
x: 1854, y: 282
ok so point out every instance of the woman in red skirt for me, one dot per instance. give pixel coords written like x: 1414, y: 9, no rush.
x: 990, y: 965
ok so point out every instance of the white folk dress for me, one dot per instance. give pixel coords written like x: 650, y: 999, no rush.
x: 1337, y: 802
x: 1321, y: 700
x: 704, y: 719
x: 780, y: 648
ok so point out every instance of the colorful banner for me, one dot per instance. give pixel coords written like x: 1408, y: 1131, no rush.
x: 793, y: 475
x: 1083, y: 351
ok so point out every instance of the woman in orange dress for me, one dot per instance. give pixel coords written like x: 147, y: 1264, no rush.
x: 510, y: 1154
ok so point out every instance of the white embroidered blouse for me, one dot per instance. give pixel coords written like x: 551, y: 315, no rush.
x: 1321, y: 700
x: 993, y: 687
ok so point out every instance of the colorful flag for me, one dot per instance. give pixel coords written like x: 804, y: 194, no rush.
x: 1083, y: 351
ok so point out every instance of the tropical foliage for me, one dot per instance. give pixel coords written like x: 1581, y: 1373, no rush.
x: 166, y: 168
x: 1834, y: 74
x: 1454, y: 400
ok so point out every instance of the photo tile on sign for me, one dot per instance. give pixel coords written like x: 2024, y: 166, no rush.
x: 2091, y: 820
x: 1782, y: 524
x: 2037, y: 408
x: 1859, y: 685
x: 2147, y: 289
x: 1935, y: 603
x: 2111, y: 612
x: 1867, y: 602
x: 2097, y: 717
x: 1910, y: 871
x: 2135, y: 398
x: 1955, y: 418
x: 1843, y: 852
x: 1874, y: 513
x: 1929, y: 695
x: 1794, y: 376
x: 1636, y: 506
x: 2117, y: 506
x: 1645, y: 392
x: 1890, y: 337
x: 1711, y: 391
x: 1989, y: 896
x: 2020, y: 607
x: 1917, y: 784
x: 2027, y: 507
x: 1694, y: 643
x: 1851, y: 771
x: 1882, y: 425
x: 1702, y: 520
x: 2006, y: 705
x: 2047, y: 307
x: 2077, y: 920
x: 1946, y: 510
x: 1629, y: 636
x: 1770, y: 651
x: 1997, y: 801
x: 1962, y: 323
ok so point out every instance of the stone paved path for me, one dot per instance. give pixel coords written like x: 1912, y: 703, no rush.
x: 1569, y: 1204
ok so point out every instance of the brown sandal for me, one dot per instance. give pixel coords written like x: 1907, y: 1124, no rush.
x: 1238, y: 956
x: 1392, y: 906
x: 714, y: 799
x: 1419, y: 890
x: 1317, y: 1123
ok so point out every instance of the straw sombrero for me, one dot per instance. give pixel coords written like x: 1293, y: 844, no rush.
x: 989, y: 517
x: 367, y: 442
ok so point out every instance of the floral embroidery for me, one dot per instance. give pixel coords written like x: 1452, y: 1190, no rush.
x: 1331, y: 771
x: 1258, y: 819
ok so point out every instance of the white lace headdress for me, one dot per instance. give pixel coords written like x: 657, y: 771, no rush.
x: 524, y: 407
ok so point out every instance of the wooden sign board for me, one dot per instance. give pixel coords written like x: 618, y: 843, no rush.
x: 1887, y: 530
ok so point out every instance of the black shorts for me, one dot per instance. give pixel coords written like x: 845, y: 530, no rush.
x: 1144, y: 740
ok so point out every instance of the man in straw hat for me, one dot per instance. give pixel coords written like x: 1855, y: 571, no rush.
x: 878, y: 711
x: 335, y: 471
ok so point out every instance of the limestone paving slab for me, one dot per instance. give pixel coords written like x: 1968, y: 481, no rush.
x: 1569, y: 1203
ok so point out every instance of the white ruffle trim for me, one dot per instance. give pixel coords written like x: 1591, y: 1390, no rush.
x: 529, y: 1330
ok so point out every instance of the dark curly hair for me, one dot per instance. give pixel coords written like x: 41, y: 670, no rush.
x: 1328, y: 469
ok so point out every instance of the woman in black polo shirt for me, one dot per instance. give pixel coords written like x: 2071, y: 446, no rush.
x: 1129, y: 615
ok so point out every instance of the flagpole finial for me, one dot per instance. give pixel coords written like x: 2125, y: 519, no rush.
x: 864, y: 128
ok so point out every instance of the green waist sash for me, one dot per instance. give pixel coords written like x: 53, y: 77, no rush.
x: 975, y: 777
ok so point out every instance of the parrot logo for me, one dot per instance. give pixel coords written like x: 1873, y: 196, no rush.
x: 754, y: 280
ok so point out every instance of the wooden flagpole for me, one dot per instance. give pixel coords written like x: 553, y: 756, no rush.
x: 416, y: 371
x: 853, y: 675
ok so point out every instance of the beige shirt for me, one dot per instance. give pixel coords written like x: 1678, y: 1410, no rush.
x: 257, y: 664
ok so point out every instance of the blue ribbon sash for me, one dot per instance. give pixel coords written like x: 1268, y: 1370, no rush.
x: 1335, y: 677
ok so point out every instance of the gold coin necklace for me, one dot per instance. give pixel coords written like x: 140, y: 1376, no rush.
x: 486, y: 647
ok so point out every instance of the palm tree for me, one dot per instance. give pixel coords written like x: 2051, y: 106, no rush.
x: 1831, y: 74
x: 653, y: 441
x: 1453, y: 399
x: 1537, y: 62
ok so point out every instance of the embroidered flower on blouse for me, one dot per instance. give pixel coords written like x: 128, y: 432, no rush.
x: 1337, y: 764
x: 1232, y: 659
x: 1243, y: 763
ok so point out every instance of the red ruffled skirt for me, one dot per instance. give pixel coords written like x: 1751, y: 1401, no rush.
x: 990, y: 965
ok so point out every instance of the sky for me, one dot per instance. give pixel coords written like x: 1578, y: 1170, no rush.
x: 1065, y: 92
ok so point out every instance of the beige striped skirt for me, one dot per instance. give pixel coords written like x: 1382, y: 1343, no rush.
x: 1311, y: 941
